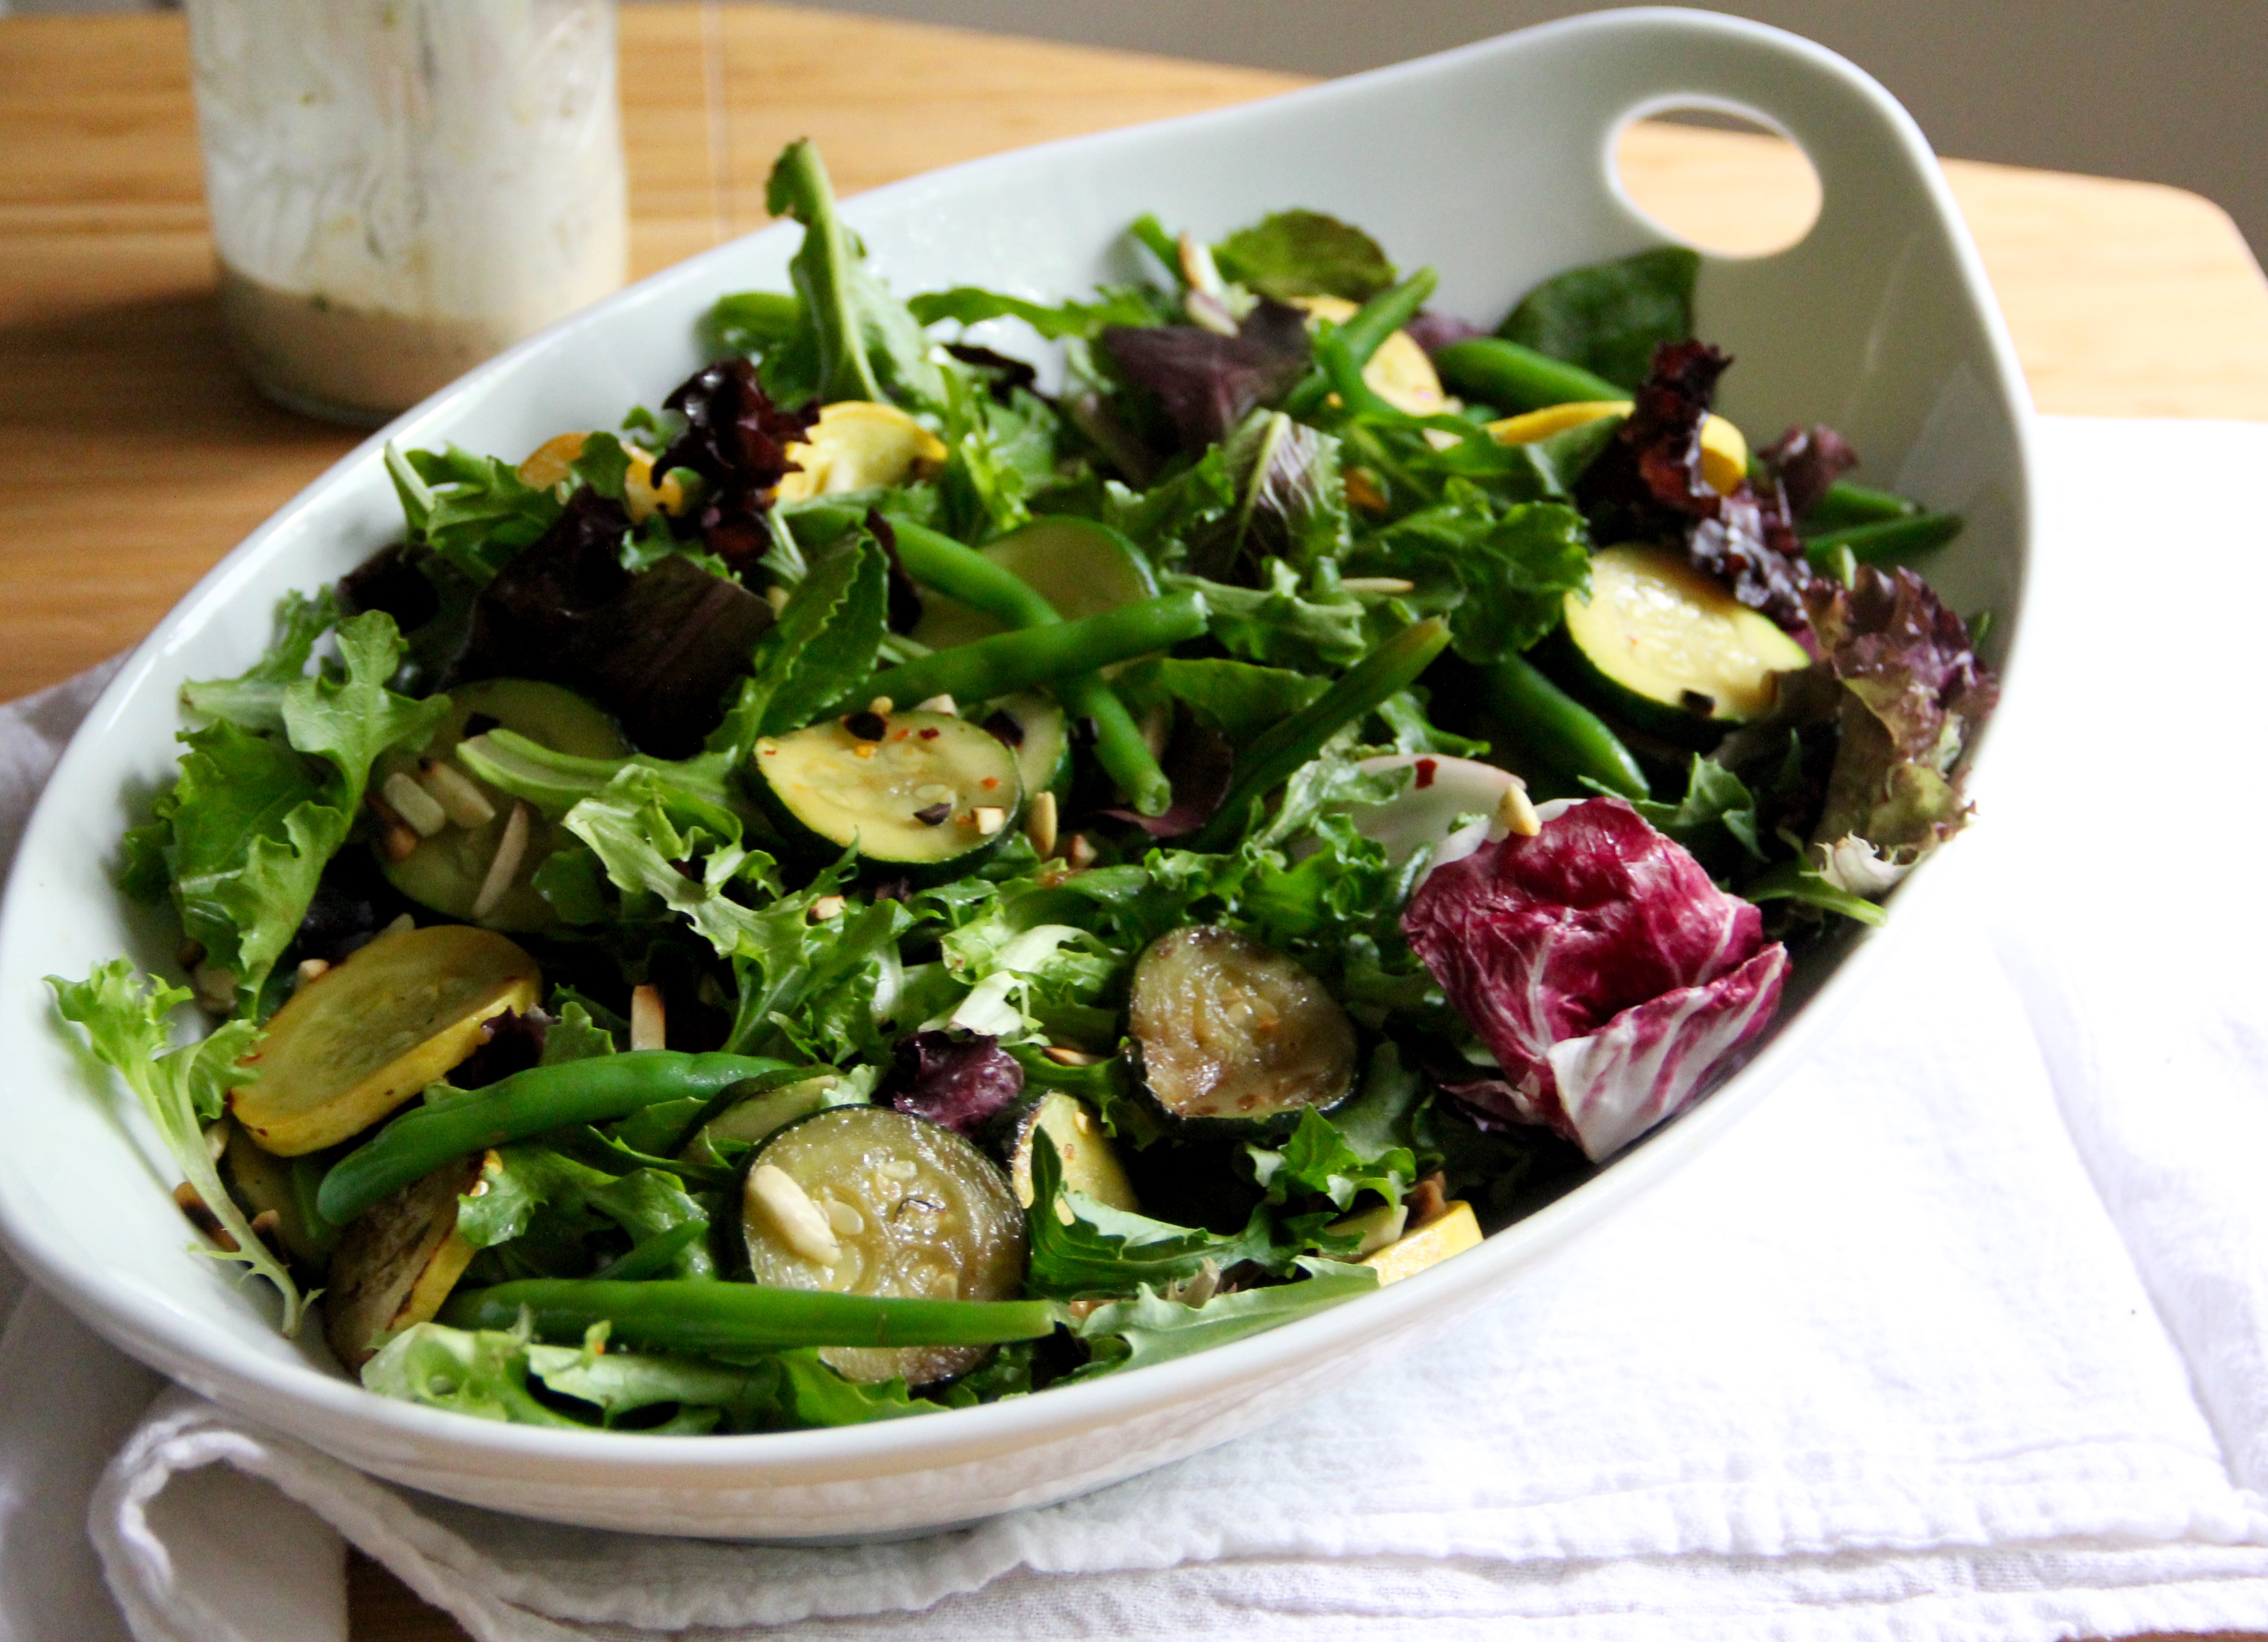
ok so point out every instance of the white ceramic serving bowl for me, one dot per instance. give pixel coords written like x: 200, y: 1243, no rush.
x: 1492, y: 164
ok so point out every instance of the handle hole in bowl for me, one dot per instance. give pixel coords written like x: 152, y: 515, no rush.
x: 1720, y: 180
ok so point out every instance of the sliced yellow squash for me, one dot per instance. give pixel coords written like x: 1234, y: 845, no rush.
x: 372, y: 1032
x: 1724, y: 448
x: 399, y: 1260
x: 856, y: 445
x: 1452, y: 1231
x: 548, y: 465
x: 1399, y: 372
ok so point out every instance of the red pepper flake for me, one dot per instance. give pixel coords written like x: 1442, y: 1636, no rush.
x: 771, y: 752
x: 991, y: 781
x: 903, y: 734
x: 929, y: 735
x: 1426, y: 768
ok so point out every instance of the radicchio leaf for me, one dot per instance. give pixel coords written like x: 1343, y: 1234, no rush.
x: 658, y: 648
x: 1807, y: 461
x: 1601, y: 966
x: 961, y: 1080
x: 1913, y: 691
x: 737, y: 440
x: 1208, y: 383
x: 1647, y: 486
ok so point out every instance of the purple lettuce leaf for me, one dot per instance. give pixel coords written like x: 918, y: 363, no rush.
x: 1807, y: 461
x: 737, y: 440
x: 1647, y: 486
x: 960, y: 1079
x: 1207, y: 383
x: 1913, y: 693
x: 1600, y: 965
x: 1434, y: 331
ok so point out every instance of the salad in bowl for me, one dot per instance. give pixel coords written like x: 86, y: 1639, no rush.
x: 911, y: 872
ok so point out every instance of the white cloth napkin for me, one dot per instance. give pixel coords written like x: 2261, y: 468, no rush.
x: 1963, y: 1335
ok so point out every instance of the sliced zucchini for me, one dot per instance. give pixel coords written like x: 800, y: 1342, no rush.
x: 1232, y: 1029
x: 1079, y: 566
x: 859, y: 445
x: 398, y: 1261
x: 372, y: 1032
x: 758, y: 1117
x: 1035, y: 727
x: 448, y: 869
x: 914, y: 790
x: 868, y: 1200
x: 1090, y: 1164
x: 1666, y: 646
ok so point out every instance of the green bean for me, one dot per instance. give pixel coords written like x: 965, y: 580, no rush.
x: 1846, y: 503
x: 1270, y: 761
x: 964, y: 573
x: 1364, y: 333
x: 1518, y: 379
x: 652, y: 1254
x: 1890, y: 540
x: 1560, y: 730
x: 704, y: 1315
x: 1009, y: 662
x: 596, y: 1090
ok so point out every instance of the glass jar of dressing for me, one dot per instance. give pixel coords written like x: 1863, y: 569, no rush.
x: 401, y: 189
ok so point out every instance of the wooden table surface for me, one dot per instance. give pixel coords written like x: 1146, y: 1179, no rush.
x: 132, y: 456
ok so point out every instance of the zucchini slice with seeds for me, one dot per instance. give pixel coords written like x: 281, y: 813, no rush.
x: 1667, y: 648
x: 869, y: 1200
x: 371, y: 1033
x: 1232, y: 1029
x: 910, y: 790
x: 447, y: 870
x: 1040, y: 734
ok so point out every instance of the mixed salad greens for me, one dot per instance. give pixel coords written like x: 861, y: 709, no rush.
x: 882, y: 886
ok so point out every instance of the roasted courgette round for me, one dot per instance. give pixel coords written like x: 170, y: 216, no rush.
x: 1232, y: 1030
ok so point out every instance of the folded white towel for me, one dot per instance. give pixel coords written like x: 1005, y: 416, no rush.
x: 1962, y: 1335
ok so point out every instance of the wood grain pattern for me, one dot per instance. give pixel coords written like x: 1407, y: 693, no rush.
x: 132, y: 456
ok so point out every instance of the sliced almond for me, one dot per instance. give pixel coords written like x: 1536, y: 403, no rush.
x: 1377, y: 584
x: 415, y: 805
x: 452, y: 789
x: 504, y: 866
x: 1515, y: 813
x: 775, y: 1197
x: 943, y: 704
x: 988, y: 819
x: 649, y: 1024
x: 1040, y: 822
x: 1067, y: 1057
x: 827, y: 908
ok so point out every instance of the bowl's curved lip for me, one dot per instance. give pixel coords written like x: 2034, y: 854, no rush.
x: 251, y: 1382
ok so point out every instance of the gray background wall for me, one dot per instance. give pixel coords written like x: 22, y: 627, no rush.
x: 2161, y: 90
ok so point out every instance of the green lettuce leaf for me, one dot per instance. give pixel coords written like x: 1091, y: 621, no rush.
x: 1277, y: 626
x: 1305, y: 254
x: 1152, y: 1329
x: 1239, y: 700
x: 868, y: 345
x: 1319, y: 1158
x: 473, y: 511
x: 1609, y: 317
x: 1102, y: 1250
x: 972, y: 305
x: 824, y: 643
x: 254, y: 701
x: 1511, y: 574
x: 182, y: 1089
x: 537, y: 1179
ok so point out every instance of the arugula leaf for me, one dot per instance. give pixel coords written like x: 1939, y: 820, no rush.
x: 474, y: 511
x: 1237, y: 699
x: 1152, y: 1329
x: 1305, y: 254
x: 1276, y: 625
x: 997, y: 456
x: 181, y: 1089
x: 1081, y: 1247
x: 972, y: 305
x: 1716, y: 808
x: 254, y: 700
x: 1318, y: 1159
x: 869, y: 347
x: 537, y: 1178
x: 1808, y: 886
x: 1609, y: 317
x: 824, y: 643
